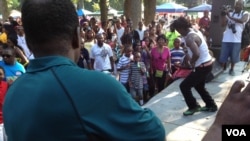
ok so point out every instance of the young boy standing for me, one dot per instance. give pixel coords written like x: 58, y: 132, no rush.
x: 137, y: 71
x: 123, y: 66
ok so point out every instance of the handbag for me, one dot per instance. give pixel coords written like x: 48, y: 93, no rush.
x: 181, y: 73
x: 158, y: 73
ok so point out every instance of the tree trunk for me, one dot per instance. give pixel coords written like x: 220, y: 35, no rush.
x: 136, y: 9
x: 127, y: 8
x: 104, y: 13
x: 149, y: 11
x: 4, y: 9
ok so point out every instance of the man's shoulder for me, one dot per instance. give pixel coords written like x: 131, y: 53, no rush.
x: 94, y: 46
x: 105, y: 44
x: 1, y: 63
x: 245, y: 12
x: 18, y: 64
x: 203, y: 18
x: 175, y: 49
x: 120, y: 29
x: 191, y: 37
x: 124, y: 57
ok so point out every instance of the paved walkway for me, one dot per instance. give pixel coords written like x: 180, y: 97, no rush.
x: 169, y: 106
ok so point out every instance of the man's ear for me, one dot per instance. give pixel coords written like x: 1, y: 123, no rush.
x: 76, y: 42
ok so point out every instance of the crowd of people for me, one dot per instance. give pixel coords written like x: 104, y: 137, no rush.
x: 161, y: 50
x: 110, y: 47
x: 141, y: 62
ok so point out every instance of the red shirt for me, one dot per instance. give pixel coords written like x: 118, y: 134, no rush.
x: 204, y: 23
x: 3, y: 90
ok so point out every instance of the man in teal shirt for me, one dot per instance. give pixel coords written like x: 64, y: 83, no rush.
x: 55, y: 100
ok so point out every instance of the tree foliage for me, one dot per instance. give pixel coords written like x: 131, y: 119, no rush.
x: 93, y: 5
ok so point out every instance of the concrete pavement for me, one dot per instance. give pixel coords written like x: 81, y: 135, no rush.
x: 169, y: 106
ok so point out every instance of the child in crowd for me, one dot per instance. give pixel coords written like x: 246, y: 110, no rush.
x: 137, y: 71
x: 177, y: 54
x: 84, y: 58
x: 145, y: 58
x: 123, y: 66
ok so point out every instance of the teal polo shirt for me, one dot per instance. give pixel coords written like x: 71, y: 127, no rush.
x: 57, y: 101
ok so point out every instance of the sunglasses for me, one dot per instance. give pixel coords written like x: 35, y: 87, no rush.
x: 6, y: 55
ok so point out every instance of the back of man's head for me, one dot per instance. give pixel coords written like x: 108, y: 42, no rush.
x: 181, y: 23
x: 48, y: 21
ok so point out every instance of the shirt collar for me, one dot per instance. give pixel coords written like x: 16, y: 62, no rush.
x: 48, y: 62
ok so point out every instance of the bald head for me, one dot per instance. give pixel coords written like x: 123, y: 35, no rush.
x: 239, y: 5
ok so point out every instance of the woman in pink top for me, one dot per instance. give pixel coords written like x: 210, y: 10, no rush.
x: 160, y: 62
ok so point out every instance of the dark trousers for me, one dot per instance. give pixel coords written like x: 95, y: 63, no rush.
x: 197, y: 79
x: 126, y: 85
x: 151, y: 86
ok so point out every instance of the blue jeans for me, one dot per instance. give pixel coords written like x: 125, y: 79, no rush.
x: 197, y: 79
x: 230, y: 50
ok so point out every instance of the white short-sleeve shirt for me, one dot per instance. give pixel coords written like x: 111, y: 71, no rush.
x: 101, y: 55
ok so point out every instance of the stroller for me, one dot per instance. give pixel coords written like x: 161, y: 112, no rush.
x: 246, y: 59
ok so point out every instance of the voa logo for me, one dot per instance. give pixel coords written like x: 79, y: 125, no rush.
x: 236, y: 132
